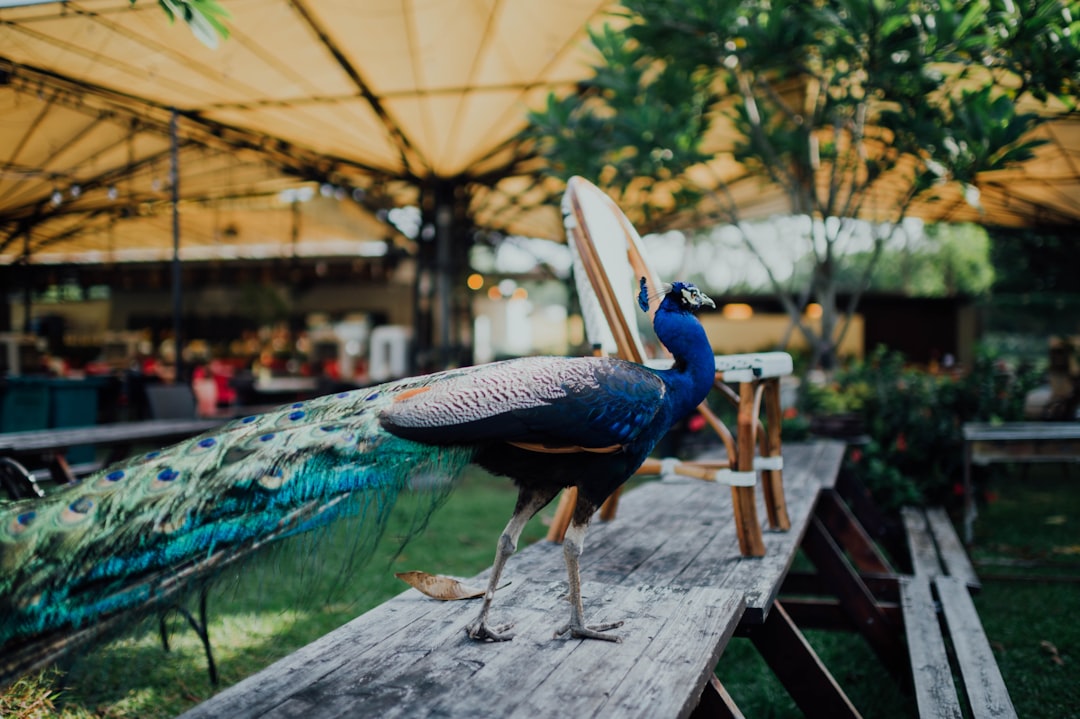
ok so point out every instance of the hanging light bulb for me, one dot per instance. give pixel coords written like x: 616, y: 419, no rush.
x: 75, y: 191
x: 56, y: 198
x: 111, y: 192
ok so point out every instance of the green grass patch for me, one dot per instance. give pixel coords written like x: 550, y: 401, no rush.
x: 1027, y: 551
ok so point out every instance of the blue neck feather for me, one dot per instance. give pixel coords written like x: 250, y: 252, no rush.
x: 690, y: 380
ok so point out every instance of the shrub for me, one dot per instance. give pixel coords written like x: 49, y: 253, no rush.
x: 913, y: 419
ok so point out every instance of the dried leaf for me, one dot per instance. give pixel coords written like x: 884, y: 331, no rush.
x: 439, y: 587
x: 1050, y: 649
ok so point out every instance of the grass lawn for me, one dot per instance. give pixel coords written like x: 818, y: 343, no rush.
x: 1027, y: 539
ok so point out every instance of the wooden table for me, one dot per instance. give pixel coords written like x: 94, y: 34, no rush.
x: 1013, y: 442
x: 119, y: 436
x: 669, y: 565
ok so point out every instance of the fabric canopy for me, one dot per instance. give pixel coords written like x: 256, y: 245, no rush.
x: 373, y: 102
x: 379, y: 99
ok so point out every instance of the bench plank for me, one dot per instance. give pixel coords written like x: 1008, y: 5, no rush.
x: 950, y: 549
x: 924, y: 555
x: 430, y: 663
x: 935, y: 692
x: 982, y: 679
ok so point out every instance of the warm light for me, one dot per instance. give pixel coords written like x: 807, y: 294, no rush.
x: 738, y: 311
x: 475, y: 281
x: 575, y: 330
x: 520, y: 294
x: 813, y: 310
x: 493, y: 293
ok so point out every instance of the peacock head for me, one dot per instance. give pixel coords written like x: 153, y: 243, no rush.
x: 683, y: 295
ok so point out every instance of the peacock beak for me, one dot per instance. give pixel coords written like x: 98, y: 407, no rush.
x: 706, y: 301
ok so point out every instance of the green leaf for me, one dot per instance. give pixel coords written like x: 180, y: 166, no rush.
x: 205, y: 18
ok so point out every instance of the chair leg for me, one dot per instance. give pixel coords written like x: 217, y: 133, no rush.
x: 772, y: 480
x: 610, y: 506
x: 563, y: 513
x: 747, y: 527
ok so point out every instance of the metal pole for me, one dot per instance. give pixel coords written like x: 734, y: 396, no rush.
x: 28, y: 286
x: 444, y: 239
x: 174, y: 180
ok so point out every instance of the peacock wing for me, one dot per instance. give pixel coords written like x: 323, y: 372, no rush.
x: 85, y: 550
x: 551, y: 401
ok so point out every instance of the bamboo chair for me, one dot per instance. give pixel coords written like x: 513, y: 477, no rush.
x: 609, y: 257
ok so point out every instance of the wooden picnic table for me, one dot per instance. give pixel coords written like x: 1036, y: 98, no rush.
x: 669, y: 566
x: 1020, y: 442
x: 51, y: 444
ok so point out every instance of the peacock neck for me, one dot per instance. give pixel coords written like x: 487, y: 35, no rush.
x: 690, y: 380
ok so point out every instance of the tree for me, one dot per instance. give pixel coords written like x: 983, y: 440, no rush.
x: 852, y: 107
x: 206, y: 18
x: 943, y: 260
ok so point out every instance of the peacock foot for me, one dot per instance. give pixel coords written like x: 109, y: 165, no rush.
x: 481, y: 632
x: 593, y: 632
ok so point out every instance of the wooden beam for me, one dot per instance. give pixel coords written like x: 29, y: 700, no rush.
x: 856, y: 599
x: 716, y: 703
x: 798, y: 667
x: 850, y: 535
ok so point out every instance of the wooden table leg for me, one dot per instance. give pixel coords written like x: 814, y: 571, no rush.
x: 798, y: 667
x: 850, y: 535
x: 970, y: 510
x: 858, y: 602
x: 60, y: 469
x: 716, y: 703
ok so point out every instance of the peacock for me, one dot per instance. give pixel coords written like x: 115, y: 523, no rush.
x: 108, y: 543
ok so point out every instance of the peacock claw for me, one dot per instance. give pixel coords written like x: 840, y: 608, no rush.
x: 593, y: 632
x: 481, y: 632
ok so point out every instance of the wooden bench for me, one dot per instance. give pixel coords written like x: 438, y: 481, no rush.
x: 941, y: 626
x: 934, y: 547
x: 1020, y: 442
x: 929, y: 610
x: 119, y: 437
x: 669, y: 565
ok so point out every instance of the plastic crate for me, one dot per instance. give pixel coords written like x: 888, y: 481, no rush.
x: 24, y: 405
x: 74, y: 403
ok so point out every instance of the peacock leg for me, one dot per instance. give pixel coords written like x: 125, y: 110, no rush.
x: 572, y: 546
x: 529, y: 502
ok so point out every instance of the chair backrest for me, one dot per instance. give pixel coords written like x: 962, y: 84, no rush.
x: 609, y: 258
x: 170, y: 401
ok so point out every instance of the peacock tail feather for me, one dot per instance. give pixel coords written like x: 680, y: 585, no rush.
x: 79, y: 553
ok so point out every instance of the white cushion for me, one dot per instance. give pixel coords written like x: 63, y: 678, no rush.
x: 743, y: 367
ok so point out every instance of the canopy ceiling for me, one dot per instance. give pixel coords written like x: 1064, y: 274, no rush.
x: 381, y: 97
x: 1044, y: 191
x: 374, y: 100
